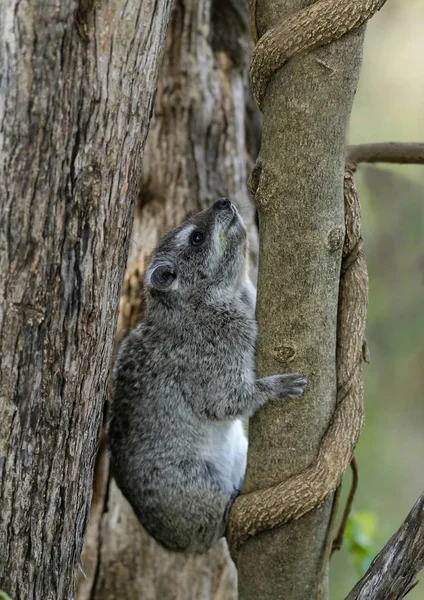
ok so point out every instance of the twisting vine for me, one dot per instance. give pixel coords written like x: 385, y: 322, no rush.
x: 265, y: 509
x: 316, y: 25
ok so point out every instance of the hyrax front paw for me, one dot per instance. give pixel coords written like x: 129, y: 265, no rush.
x: 290, y: 385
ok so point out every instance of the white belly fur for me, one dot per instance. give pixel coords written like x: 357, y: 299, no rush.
x: 225, y: 445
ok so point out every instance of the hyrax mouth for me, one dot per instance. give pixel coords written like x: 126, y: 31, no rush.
x: 229, y: 222
x: 227, y: 217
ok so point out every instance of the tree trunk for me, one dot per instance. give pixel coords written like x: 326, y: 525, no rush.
x: 299, y: 195
x: 197, y: 150
x: 76, y: 90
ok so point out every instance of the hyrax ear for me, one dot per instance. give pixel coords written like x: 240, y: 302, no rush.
x: 161, y: 276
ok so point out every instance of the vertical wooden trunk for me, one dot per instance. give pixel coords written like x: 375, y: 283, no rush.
x: 197, y: 150
x: 300, y: 202
x: 76, y: 90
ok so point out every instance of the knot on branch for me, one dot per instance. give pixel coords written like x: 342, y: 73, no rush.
x: 268, y: 508
x: 335, y: 239
x: 317, y: 25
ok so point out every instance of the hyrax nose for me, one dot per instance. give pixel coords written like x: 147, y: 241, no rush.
x: 223, y: 203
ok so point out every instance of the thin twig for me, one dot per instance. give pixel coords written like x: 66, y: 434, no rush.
x: 338, y: 540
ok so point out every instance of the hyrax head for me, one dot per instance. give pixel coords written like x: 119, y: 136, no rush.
x: 207, y: 252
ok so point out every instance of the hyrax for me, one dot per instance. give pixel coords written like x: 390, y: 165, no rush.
x: 183, y: 379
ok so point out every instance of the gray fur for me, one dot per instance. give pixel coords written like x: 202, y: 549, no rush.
x: 184, y: 378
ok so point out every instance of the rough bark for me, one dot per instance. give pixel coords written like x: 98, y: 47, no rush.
x: 299, y: 195
x: 393, y: 572
x: 76, y: 90
x: 197, y: 150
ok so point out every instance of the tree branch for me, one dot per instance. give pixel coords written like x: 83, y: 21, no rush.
x: 338, y: 540
x: 392, y: 573
x: 389, y: 152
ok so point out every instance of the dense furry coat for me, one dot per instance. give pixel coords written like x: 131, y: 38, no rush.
x: 184, y: 377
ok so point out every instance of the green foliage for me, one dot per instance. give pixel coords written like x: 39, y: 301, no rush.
x: 4, y: 596
x: 360, y: 535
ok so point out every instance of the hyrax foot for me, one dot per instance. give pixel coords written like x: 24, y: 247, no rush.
x: 291, y: 385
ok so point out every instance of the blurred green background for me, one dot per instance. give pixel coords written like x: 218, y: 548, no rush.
x: 389, y: 105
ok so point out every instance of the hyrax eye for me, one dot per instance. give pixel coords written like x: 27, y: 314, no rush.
x: 197, y: 237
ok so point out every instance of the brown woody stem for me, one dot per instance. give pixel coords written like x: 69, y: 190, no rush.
x: 389, y: 152
x: 338, y: 540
